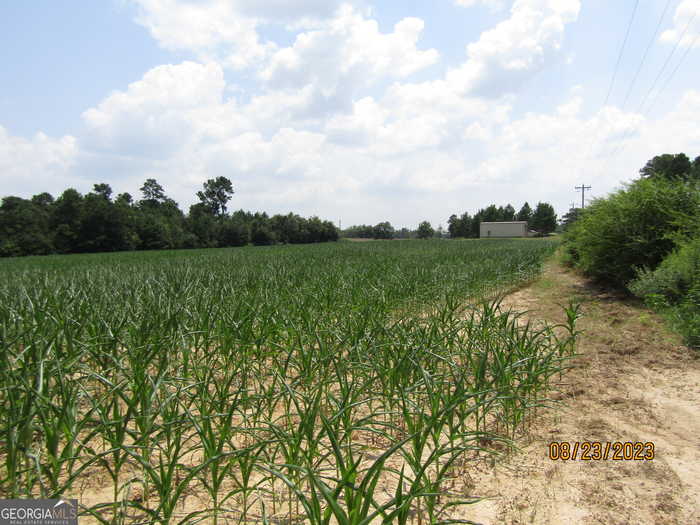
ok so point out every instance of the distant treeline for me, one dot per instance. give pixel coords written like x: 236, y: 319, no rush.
x: 383, y: 230
x: 542, y: 220
x: 97, y: 222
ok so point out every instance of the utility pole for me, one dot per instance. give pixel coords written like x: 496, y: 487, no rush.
x: 583, y: 189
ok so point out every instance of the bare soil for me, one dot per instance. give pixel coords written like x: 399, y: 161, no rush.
x: 633, y: 382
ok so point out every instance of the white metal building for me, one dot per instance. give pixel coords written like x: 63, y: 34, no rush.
x: 503, y: 229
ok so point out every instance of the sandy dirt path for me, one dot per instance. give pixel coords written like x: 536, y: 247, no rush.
x: 633, y: 381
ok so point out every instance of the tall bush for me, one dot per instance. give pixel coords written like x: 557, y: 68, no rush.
x: 631, y: 229
x: 674, y: 289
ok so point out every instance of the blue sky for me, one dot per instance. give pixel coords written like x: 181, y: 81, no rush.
x: 359, y: 111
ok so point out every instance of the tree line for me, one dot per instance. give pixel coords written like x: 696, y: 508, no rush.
x: 384, y: 230
x: 543, y: 219
x: 100, y: 222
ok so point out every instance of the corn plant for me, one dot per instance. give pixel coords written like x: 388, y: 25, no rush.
x: 339, y: 383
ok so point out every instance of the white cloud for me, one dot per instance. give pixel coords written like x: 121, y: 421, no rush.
x: 415, y: 118
x: 213, y: 29
x: 349, y: 50
x: 227, y: 30
x: 686, y: 22
x: 153, y: 117
x: 516, y: 48
x: 334, y: 124
x: 494, y: 5
x: 30, y: 166
x: 678, y: 130
x: 290, y: 11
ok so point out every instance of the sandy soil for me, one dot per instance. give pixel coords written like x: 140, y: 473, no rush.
x: 633, y: 381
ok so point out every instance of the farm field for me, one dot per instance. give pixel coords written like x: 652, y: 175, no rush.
x: 342, y: 383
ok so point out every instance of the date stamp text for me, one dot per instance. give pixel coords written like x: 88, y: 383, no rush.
x: 601, y: 451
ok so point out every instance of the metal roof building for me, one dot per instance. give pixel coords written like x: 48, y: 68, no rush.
x: 503, y: 229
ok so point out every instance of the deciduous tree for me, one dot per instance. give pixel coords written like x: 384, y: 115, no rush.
x: 216, y: 193
x: 425, y: 230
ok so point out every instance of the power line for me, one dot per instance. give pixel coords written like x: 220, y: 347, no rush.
x: 621, y: 144
x: 668, y: 60
x: 673, y: 73
x: 612, y: 82
x: 622, y: 50
x: 646, y: 52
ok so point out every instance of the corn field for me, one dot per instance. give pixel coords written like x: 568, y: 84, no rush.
x: 346, y: 383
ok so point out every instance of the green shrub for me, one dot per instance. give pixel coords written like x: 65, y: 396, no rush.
x: 631, y: 229
x: 674, y: 289
x: 686, y: 317
x: 674, y: 277
x: 261, y: 235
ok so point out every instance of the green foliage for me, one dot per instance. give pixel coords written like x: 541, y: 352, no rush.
x: 632, y: 228
x: 286, y: 383
x: 674, y: 277
x: 153, y: 192
x: 685, y: 316
x: 570, y: 217
x: 260, y: 233
x: 216, y: 193
x: 491, y: 213
x: 359, y: 231
x: 425, y: 230
x: 669, y: 166
x: 544, y: 220
x: 74, y: 223
x: 646, y: 237
x: 234, y: 233
x: 508, y: 213
x: 23, y: 228
x: 66, y: 218
x: 674, y: 289
x: 466, y: 226
x: 460, y: 226
x: 383, y: 230
x: 103, y: 190
x: 525, y: 213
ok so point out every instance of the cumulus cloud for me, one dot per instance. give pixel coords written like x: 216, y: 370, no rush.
x: 678, y: 130
x: 154, y: 116
x: 347, y: 53
x: 227, y: 30
x: 412, y: 118
x: 31, y: 166
x: 517, y: 47
x: 286, y: 11
x: 334, y: 124
x: 212, y: 29
x: 494, y: 5
x: 686, y: 25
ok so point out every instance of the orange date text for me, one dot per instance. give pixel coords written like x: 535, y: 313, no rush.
x: 601, y: 451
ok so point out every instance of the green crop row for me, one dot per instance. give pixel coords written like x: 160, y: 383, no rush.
x: 347, y: 383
